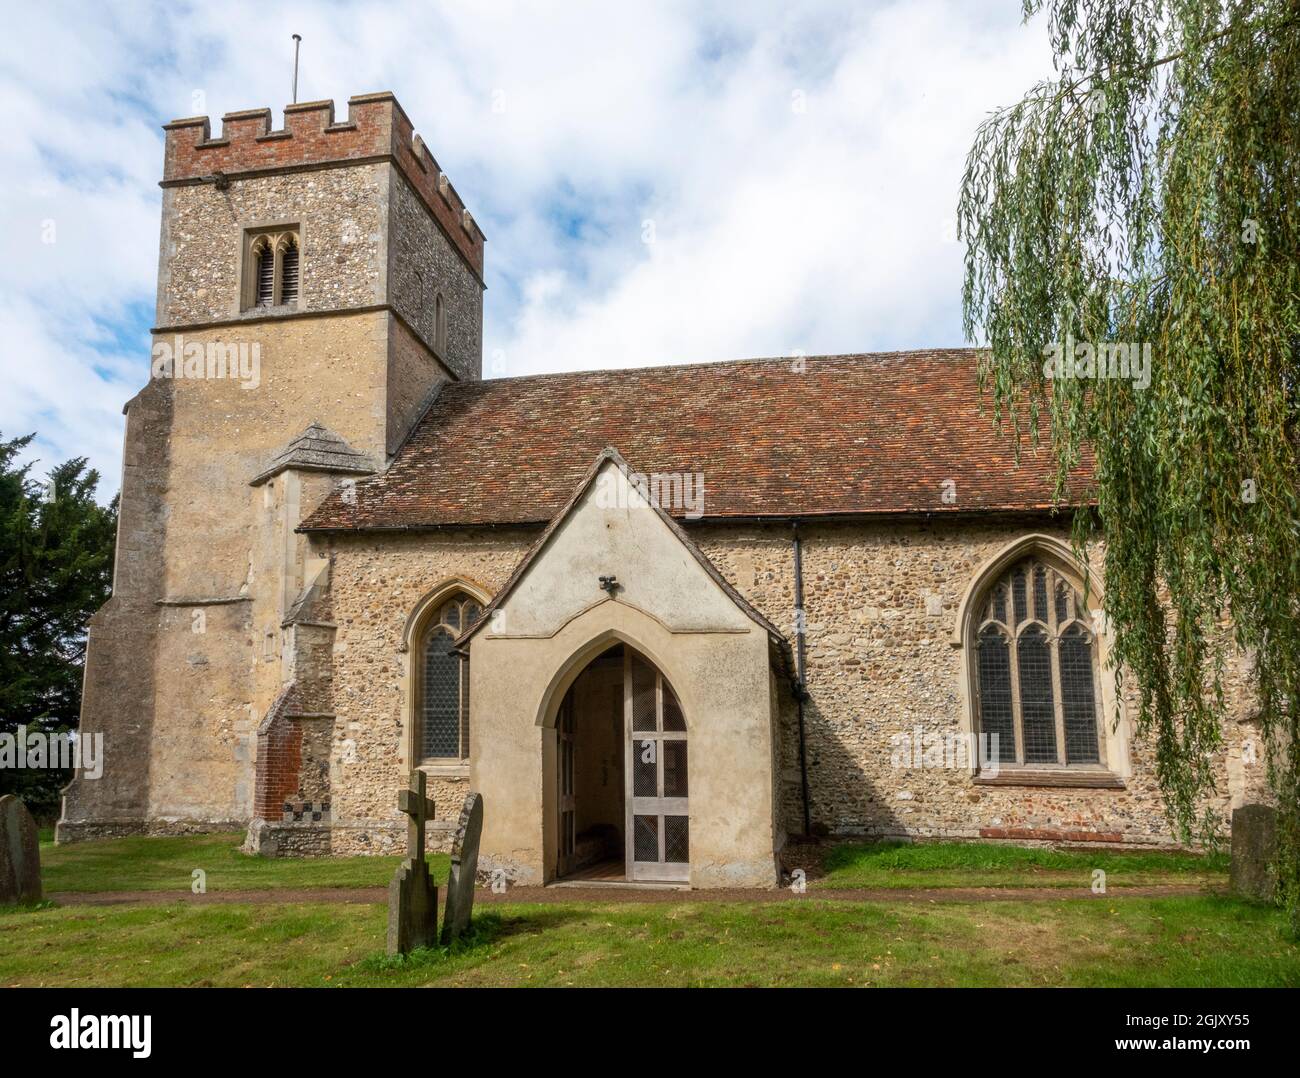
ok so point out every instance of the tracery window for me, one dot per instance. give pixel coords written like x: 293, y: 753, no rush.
x: 1036, y: 664
x: 443, y: 699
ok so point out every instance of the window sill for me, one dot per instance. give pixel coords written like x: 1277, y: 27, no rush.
x: 452, y: 769
x: 1074, y: 780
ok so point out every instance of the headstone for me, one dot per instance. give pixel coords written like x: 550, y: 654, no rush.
x: 464, y: 866
x: 412, y: 897
x: 1254, y: 844
x: 20, y: 854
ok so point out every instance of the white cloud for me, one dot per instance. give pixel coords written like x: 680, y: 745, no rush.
x: 800, y: 162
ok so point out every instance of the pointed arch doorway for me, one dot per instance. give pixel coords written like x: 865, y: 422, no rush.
x: 622, y: 792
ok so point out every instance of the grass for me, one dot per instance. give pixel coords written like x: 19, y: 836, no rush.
x: 167, y: 864
x: 1076, y: 939
x: 1194, y: 941
x: 976, y: 864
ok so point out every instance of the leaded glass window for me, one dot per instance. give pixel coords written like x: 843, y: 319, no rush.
x: 1035, y: 667
x: 444, y: 683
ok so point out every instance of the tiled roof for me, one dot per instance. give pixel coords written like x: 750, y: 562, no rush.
x: 824, y: 436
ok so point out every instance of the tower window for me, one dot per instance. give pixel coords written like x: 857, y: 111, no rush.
x: 272, y: 273
x: 289, y: 270
x: 439, y: 324
x: 265, y: 282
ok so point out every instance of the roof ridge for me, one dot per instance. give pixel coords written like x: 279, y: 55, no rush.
x: 954, y: 352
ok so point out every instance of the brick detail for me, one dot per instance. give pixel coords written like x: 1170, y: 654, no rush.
x: 279, y: 757
x: 376, y: 127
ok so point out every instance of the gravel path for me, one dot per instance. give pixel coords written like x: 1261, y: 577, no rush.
x: 606, y: 895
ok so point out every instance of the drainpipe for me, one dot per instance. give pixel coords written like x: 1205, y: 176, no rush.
x: 800, y: 688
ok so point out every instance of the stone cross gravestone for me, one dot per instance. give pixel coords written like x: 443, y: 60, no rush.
x: 1254, y: 844
x: 464, y: 866
x: 412, y: 896
x: 20, y: 854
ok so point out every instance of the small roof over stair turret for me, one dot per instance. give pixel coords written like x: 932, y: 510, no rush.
x: 317, y: 449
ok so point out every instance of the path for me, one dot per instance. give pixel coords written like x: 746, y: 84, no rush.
x: 605, y: 895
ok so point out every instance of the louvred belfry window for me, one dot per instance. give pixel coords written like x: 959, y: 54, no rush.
x: 1036, y: 666
x: 289, y: 270
x: 272, y: 268
x: 265, y: 281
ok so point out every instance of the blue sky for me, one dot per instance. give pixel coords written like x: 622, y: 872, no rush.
x: 798, y: 165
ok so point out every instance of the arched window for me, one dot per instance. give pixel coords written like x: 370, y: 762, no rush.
x: 264, y: 279
x: 439, y: 324
x: 272, y: 268
x: 289, y: 269
x: 443, y: 699
x: 1035, y: 667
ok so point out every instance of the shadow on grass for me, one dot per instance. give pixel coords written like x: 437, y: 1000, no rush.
x: 484, y: 930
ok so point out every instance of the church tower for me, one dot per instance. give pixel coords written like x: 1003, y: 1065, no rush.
x: 317, y: 285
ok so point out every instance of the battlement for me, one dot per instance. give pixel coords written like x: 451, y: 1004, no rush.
x: 377, y: 128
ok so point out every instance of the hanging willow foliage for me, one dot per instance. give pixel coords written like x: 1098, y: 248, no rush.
x: 1143, y: 209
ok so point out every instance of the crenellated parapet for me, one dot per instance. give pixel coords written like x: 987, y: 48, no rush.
x: 377, y: 129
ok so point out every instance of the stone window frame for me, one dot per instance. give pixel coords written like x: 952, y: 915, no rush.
x: 1114, y: 765
x: 424, y: 618
x: 278, y: 237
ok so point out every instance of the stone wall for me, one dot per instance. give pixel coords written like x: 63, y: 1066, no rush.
x: 371, y: 733
x: 423, y: 264
x: 881, y: 602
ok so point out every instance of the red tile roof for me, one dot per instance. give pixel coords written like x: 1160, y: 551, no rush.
x: 847, y: 435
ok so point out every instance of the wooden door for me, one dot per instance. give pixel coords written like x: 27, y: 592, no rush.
x: 657, y: 809
x: 564, y: 785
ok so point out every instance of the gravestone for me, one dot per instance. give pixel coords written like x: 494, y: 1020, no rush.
x: 412, y: 896
x: 464, y: 866
x: 1254, y: 844
x: 20, y: 854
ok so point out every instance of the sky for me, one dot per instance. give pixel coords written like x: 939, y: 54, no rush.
x: 658, y: 182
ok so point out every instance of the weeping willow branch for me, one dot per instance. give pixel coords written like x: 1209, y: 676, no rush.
x: 1133, y: 266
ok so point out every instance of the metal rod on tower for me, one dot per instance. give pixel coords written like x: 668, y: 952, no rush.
x: 297, y: 41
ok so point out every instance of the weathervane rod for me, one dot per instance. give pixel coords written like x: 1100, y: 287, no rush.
x: 297, y: 41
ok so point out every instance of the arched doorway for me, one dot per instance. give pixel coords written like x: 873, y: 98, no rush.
x: 622, y: 793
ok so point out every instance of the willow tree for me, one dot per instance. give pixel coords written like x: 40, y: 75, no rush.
x: 1133, y: 267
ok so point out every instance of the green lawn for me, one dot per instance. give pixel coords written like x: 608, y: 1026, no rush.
x: 1076, y: 939
x: 986, y: 864
x: 1194, y: 941
x: 167, y: 864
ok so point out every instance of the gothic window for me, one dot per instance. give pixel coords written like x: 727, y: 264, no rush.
x: 264, y: 282
x: 1035, y: 666
x: 443, y: 699
x: 439, y: 324
x: 289, y: 268
x: 272, y: 276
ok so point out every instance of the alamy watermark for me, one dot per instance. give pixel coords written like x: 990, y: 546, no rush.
x: 1110, y: 359
x: 674, y: 492
x: 38, y: 750
x: 214, y: 360
x: 919, y: 750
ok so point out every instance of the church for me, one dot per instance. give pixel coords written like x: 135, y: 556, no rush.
x: 663, y: 619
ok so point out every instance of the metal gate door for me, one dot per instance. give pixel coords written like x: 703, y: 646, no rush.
x: 657, y: 813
